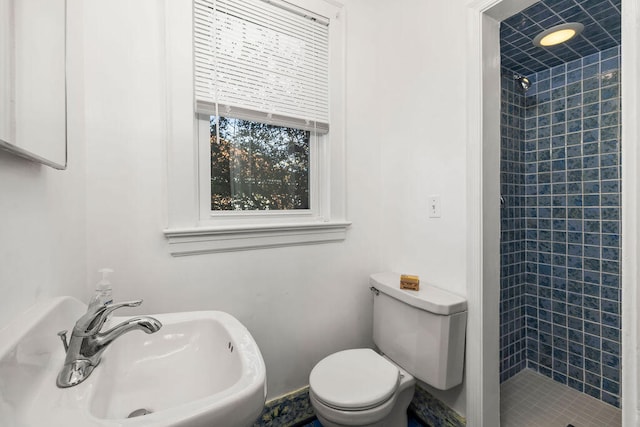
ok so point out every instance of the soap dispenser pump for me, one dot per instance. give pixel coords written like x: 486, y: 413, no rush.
x: 103, y: 295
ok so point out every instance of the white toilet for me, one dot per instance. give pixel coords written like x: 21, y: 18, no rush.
x: 421, y: 334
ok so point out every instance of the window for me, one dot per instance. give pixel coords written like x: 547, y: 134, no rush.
x: 267, y: 86
x: 258, y: 167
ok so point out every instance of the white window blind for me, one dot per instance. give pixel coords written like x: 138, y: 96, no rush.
x: 262, y: 60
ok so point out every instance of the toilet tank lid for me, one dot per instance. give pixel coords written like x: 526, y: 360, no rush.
x: 429, y: 297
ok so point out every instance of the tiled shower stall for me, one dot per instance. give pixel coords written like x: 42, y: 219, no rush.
x: 560, y: 224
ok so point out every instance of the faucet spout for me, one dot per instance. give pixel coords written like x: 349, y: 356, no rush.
x: 145, y: 323
x: 87, y: 343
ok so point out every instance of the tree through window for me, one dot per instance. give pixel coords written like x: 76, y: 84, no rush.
x: 256, y: 166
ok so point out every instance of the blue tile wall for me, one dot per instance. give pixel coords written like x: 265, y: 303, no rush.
x: 513, y: 231
x: 567, y: 195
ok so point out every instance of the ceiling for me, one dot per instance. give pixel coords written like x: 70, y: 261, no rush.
x: 602, y: 30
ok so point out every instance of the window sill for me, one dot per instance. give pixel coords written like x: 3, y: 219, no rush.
x: 202, y: 240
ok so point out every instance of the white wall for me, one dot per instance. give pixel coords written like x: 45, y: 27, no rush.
x: 42, y: 232
x: 300, y: 303
x: 421, y: 84
x: 42, y: 213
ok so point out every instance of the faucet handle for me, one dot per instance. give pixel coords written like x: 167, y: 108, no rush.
x: 108, y: 308
x: 98, y: 316
x: 63, y: 336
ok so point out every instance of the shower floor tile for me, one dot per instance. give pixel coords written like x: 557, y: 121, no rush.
x: 530, y: 399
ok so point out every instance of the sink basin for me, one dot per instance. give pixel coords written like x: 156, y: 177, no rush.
x: 201, y: 369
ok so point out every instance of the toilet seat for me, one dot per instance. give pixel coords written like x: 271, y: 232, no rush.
x: 353, y: 380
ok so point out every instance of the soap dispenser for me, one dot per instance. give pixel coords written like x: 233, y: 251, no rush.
x: 103, y: 295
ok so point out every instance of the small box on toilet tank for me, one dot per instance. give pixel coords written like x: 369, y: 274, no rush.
x: 408, y: 281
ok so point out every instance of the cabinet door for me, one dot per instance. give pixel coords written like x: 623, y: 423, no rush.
x: 32, y: 80
x: 7, y: 66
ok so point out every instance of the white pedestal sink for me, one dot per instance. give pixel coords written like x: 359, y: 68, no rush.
x: 200, y: 369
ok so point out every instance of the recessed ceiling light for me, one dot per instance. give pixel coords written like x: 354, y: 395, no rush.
x: 558, y: 34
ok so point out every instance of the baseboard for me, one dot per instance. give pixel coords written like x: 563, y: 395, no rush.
x: 433, y: 412
x: 291, y: 410
x: 295, y: 410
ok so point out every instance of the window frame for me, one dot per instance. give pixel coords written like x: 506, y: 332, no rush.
x: 191, y: 229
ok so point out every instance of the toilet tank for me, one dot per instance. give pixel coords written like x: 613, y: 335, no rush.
x: 422, y: 331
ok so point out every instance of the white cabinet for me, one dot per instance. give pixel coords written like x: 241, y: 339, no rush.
x: 32, y: 80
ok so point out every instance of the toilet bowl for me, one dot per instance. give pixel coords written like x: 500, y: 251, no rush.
x: 359, y: 387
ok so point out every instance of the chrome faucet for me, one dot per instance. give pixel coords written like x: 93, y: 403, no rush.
x: 87, y: 343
